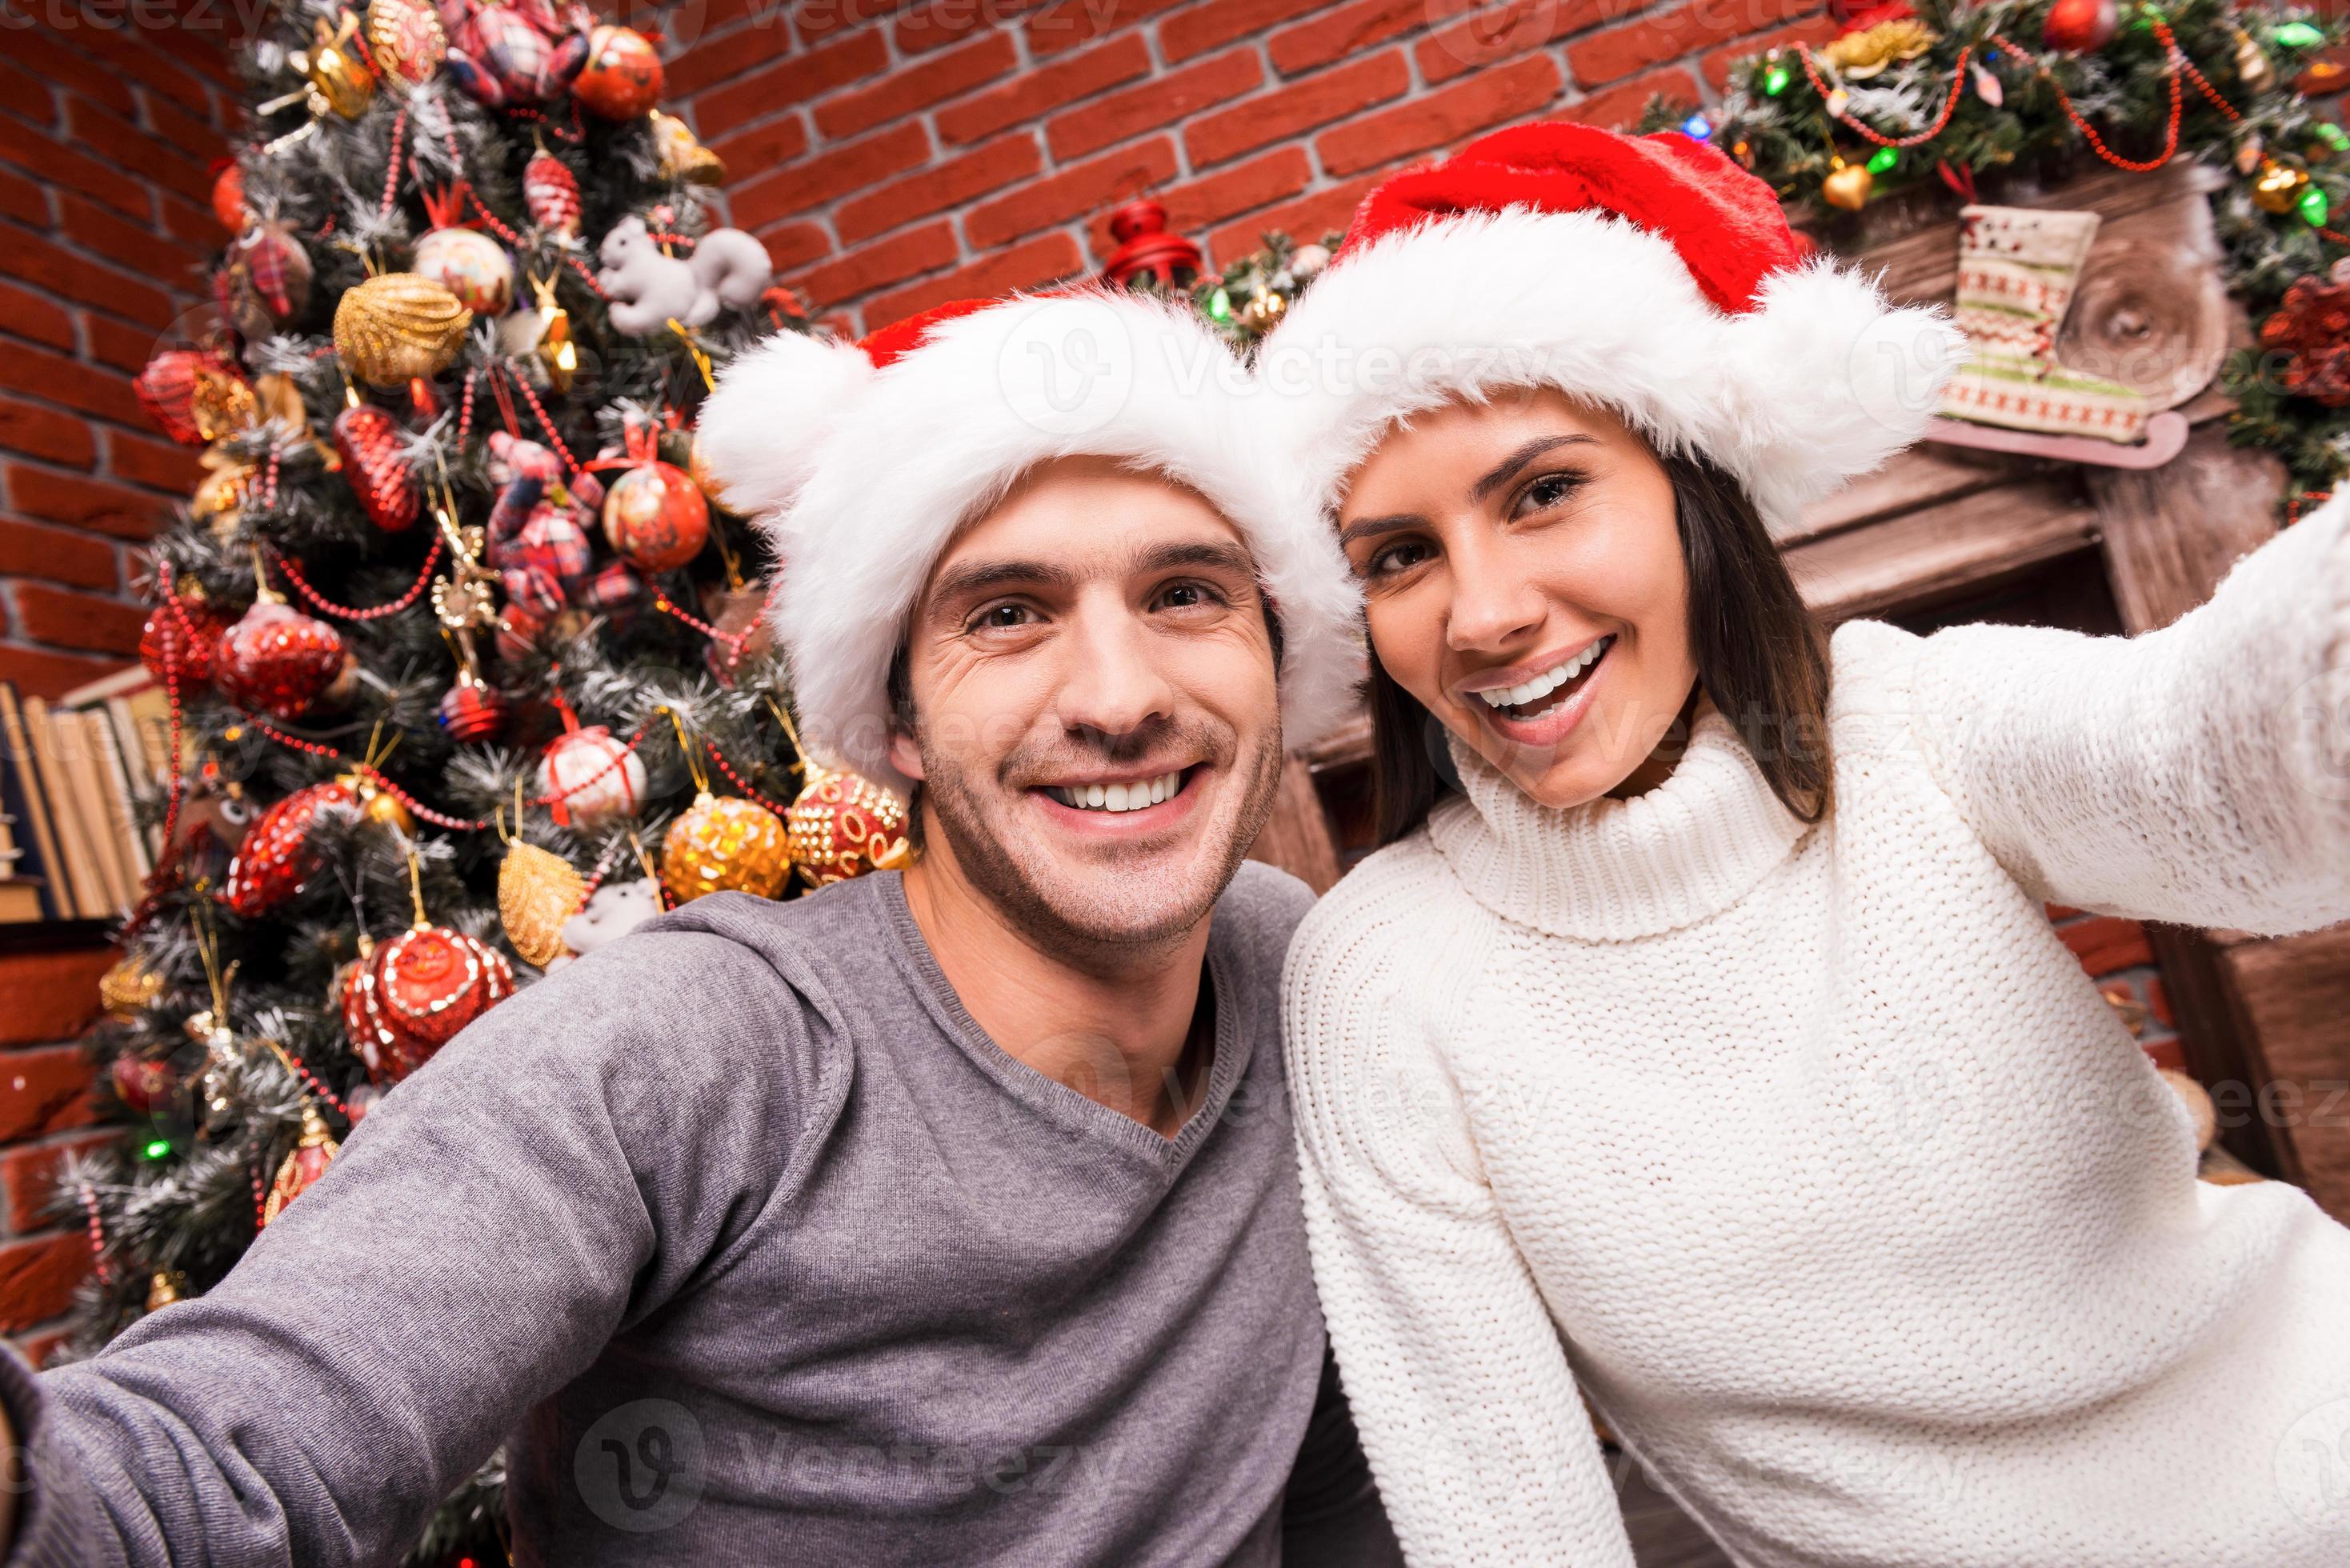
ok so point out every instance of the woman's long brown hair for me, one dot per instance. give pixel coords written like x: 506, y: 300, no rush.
x: 1759, y: 656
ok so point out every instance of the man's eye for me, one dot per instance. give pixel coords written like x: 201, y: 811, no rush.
x: 1001, y: 618
x: 1187, y: 596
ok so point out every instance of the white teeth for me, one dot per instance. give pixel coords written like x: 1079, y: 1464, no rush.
x: 1118, y: 796
x: 1542, y: 685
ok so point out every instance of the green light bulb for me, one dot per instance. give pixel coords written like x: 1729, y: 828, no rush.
x: 2312, y: 206
x: 2298, y: 36
x: 2333, y: 135
x: 1220, y: 305
x: 157, y: 1148
x: 1774, y: 80
x: 1881, y: 159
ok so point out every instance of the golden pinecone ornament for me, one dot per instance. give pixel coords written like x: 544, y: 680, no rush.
x: 397, y: 326
x: 843, y: 825
x: 722, y: 844
x: 538, y: 891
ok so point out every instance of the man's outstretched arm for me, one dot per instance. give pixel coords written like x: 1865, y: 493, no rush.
x: 562, y: 1166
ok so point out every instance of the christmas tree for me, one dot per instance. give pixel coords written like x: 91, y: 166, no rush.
x: 466, y: 667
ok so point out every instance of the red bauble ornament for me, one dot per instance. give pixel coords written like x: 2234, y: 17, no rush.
x: 274, y: 861
x: 278, y: 660
x: 369, y: 442
x: 843, y: 825
x: 167, y: 389
x: 2081, y: 27
x: 550, y: 193
x: 141, y: 1085
x: 472, y: 709
x: 596, y: 778
x: 228, y: 199
x: 656, y: 516
x: 415, y: 992
x: 185, y: 638
x: 623, y: 78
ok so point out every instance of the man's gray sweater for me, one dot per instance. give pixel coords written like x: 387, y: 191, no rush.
x: 761, y: 1252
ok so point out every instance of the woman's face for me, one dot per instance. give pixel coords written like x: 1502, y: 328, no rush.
x: 1523, y: 572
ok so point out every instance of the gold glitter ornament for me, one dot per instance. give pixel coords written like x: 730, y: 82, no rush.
x: 128, y: 986
x: 722, y: 844
x: 392, y: 328
x: 538, y: 891
x: 2277, y: 188
x: 339, y: 79
x: 843, y: 825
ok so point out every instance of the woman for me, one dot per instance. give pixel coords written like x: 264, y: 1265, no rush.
x: 1706, y: 1050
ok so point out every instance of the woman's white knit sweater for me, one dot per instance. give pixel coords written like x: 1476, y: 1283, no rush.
x: 1811, y: 1156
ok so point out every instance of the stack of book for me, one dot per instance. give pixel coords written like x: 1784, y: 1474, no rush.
x: 73, y: 773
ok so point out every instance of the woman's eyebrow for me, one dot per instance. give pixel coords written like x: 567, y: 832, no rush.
x: 1502, y: 472
x: 1372, y: 527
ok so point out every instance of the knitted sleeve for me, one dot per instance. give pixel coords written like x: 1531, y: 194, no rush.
x: 2199, y: 773
x: 1467, y: 1407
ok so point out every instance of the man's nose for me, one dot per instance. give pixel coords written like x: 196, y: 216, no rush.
x: 1493, y: 602
x: 1113, y: 675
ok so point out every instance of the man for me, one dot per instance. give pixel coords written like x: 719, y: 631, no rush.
x: 942, y: 1219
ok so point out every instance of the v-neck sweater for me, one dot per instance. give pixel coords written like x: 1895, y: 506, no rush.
x: 1809, y: 1155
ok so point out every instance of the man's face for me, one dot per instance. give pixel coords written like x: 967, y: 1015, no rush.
x: 1097, y: 727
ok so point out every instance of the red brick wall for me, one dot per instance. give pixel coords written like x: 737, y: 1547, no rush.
x: 47, y: 999
x: 109, y: 119
x: 895, y: 156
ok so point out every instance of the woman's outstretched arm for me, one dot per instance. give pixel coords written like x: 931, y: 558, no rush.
x: 2199, y: 773
x: 1467, y: 1407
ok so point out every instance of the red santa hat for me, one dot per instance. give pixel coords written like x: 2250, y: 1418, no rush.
x: 861, y: 461
x: 1648, y: 273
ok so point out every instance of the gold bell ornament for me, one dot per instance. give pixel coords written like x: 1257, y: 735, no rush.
x: 311, y: 1154
x: 396, y: 326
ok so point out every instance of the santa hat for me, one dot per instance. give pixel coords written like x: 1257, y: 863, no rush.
x: 860, y: 461
x: 1646, y: 273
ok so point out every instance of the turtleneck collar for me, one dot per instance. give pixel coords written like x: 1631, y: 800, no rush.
x: 1610, y: 870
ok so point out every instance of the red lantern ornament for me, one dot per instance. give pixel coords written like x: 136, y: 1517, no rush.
x: 228, y: 199
x: 415, y: 992
x: 623, y: 78
x: 471, y: 708
x: 2081, y: 27
x: 182, y: 638
x: 369, y: 442
x: 278, y: 661
x: 550, y: 195
x: 843, y: 825
x: 274, y: 861
x: 656, y: 516
x: 312, y: 1154
x: 590, y: 778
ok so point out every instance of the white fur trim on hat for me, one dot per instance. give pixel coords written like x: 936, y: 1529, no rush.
x: 760, y: 429
x: 929, y: 441
x: 1820, y: 380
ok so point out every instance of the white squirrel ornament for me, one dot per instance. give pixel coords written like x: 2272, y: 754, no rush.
x: 650, y: 289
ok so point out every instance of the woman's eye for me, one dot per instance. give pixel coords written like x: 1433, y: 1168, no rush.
x: 1396, y: 558
x: 1550, y: 490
